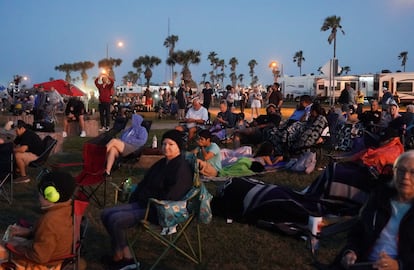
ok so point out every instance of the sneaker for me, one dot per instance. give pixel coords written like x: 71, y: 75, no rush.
x: 127, y: 264
x: 64, y: 134
x: 102, y: 129
x: 21, y: 179
x: 107, y: 129
x: 83, y: 134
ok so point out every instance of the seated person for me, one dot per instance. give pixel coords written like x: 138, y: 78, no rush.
x: 302, y: 111
x: 300, y: 135
x: 28, y: 147
x: 168, y: 179
x: 74, y: 112
x: 195, y: 117
x: 208, y: 154
x: 131, y: 140
x: 383, y: 234
x: 265, y: 155
x: 52, y: 236
x: 225, y: 119
x: 258, y: 128
x: 371, y: 117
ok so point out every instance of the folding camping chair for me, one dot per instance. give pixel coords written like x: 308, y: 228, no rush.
x: 6, y: 171
x: 80, y: 224
x: 48, y: 144
x: 92, y: 176
x: 194, y: 210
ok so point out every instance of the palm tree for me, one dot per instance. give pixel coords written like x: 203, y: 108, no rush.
x: 148, y: 62
x: 67, y: 68
x: 333, y: 23
x: 298, y: 58
x: 252, y: 63
x: 131, y: 77
x: 403, y: 58
x: 204, y: 76
x: 169, y: 43
x: 233, y: 62
x: 185, y: 59
x: 82, y: 67
x: 345, y: 69
x: 212, y: 57
x: 109, y: 64
x: 240, y: 77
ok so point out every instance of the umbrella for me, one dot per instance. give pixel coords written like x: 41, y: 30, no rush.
x: 63, y: 87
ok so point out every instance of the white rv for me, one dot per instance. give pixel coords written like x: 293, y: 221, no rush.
x: 399, y: 83
x: 297, y: 86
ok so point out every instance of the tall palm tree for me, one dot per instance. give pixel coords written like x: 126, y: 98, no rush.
x: 109, y: 64
x: 298, y: 58
x: 212, y: 57
x: 403, y: 58
x: 82, y: 67
x: 67, y: 68
x: 148, y: 62
x: 131, y: 77
x: 252, y: 64
x: 185, y: 59
x: 333, y: 23
x: 233, y: 62
x: 169, y: 43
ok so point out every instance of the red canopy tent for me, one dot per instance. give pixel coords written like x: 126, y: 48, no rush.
x: 63, y: 88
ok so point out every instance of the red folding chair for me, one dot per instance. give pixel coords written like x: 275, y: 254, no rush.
x: 92, y: 176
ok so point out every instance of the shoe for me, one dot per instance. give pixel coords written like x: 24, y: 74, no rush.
x: 126, y: 264
x: 107, y: 129
x: 21, y: 179
x: 102, y: 129
x: 83, y: 134
x: 64, y: 134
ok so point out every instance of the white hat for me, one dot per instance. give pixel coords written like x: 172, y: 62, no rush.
x: 384, y: 89
x: 9, y: 125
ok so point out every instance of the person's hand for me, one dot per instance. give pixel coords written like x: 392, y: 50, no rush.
x: 348, y: 259
x: 385, y: 262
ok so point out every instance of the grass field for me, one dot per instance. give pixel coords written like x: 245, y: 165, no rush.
x: 225, y: 246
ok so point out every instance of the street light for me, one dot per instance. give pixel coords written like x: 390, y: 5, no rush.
x: 275, y: 70
x: 119, y: 44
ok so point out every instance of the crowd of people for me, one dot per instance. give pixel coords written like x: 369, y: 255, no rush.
x: 383, y: 224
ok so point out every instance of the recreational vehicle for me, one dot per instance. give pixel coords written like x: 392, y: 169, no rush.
x: 401, y: 84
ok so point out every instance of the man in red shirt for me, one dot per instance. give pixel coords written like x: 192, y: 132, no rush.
x: 105, y: 86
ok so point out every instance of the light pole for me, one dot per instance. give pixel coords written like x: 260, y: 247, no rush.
x: 274, y: 66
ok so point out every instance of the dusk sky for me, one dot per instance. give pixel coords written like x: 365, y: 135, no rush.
x: 38, y: 35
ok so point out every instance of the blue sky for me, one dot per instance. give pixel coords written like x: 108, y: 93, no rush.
x: 39, y: 35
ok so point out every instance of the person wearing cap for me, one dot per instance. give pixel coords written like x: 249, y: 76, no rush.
x: 258, y: 128
x: 74, y: 111
x: 168, y: 179
x: 52, y: 235
x: 208, y: 154
x: 28, y: 147
x: 131, y: 140
x: 386, y: 99
x: 195, y: 118
x: 275, y: 96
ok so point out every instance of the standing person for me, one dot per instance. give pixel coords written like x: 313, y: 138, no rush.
x: 231, y: 96
x: 383, y: 234
x: 182, y: 102
x: 386, y: 99
x: 207, y: 95
x: 256, y: 102
x: 275, y: 96
x: 105, y: 84
x: 28, y: 147
x: 359, y: 99
x: 243, y: 100
x: 39, y: 106
x: 168, y: 179
x: 208, y: 154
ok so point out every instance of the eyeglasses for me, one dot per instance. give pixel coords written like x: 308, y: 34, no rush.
x: 402, y: 171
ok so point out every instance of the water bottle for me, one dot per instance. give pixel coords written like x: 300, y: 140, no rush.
x: 126, y: 188
x: 154, y: 142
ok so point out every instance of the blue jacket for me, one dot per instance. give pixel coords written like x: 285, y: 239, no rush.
x: 135, y: 135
